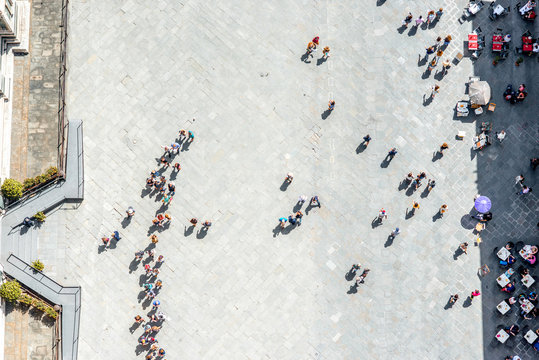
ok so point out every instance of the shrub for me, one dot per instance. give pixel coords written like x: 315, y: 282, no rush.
x: 51, y: 171
x: 28, y: 183
x: 40, y: 305
x: 25, y: 299
x: 10, y: 290
x: 40, y: 217
x: 12, y: 189
x: 38, y: 265
x: 50, y: 312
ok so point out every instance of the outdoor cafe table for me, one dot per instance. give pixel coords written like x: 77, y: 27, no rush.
x: 530, y: 336
x: 526, y: 306
x: 472, y: 42
x: 502, y: 280
x: 498, y: 10
x: 528, y: 280
x: 502, y: 336
x: 503, y: 253
x: 503, y: 307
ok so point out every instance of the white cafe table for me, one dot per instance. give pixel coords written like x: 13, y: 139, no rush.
x: 528, y: 280
x: 502, y: 280
x: 503, y: 253
x: 526, y: 306
x: 503, y: 307
x: 530, y: 336
x: 498, y: 10
x: 502, y: 336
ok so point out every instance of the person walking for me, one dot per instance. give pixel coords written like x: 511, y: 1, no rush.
x: 325, y: 52
x: 415, y: 206
x: 382, y: 214
x: 331, y: 105
x: 464, y: 247
x: 139, y: 255
x: 474, y: 294
x: 190, y: 136
x: 355, y: 268
x: 443, y: 147
x: 177, y: 167
x: 438, y: 43
x: 431, y: 184
x: 419, y: 21
x: 206, y: 225
x: 154, y: 239
x: 105, y: 241
x: 445, y: 66
x: 443, y: 210
x: 395, y: 232
x: 315, y: 201
x: 391, y: 154
x: 453, y: 299
x: 289, y: 177
x: 302, y: 199
x: 519, y: 180
x: 316, y: 41
x: 366, y: 140
x: 524, y: 190
x: 282, y: 222
x: 130, y: 212
x: 407, y: 20
x: 409, y: 178
x: 428, y: 51
x: 435, y: 90
x: 361, y: 278
x: 116, y: 236
x: 447, y: 40
x: 311, y: 47
x: 500, y: 136
x: 299, y: 215
x: 193, y: 222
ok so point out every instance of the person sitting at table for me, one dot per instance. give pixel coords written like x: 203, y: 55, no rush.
x: 509, y: 288
x: 523, y: 271
x: 509, y: 92
x: 512, y: 330
x: 511, y: 300
x: 532, y: 297
x: 509, y: 246
x: 521, y: 96
x: 507, y: 38
x: 530, y: 259
x: 509, y: 261
x: 522, y: 299
x: 532, y: 314
x: 530, y: 15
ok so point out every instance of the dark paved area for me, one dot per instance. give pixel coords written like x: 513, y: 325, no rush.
x: 515, y: 217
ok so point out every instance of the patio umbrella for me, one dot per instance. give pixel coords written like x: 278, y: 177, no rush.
x: 479, y: 92
x: 483, y: 204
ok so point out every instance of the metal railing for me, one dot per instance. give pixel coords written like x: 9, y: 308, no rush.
x: 58, y: 289
x: 63, y: 123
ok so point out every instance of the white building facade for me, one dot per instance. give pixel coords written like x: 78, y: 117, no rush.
x: 14, y: 38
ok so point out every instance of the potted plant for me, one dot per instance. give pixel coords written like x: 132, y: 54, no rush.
x: 12, y: 189
x: 38, y: 265
x: 10, y: 290
x: 519, y: 61
x: 40, y: 217
x: 496, y: 60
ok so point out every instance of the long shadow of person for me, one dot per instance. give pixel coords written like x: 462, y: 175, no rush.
x: 276, y: 230
x: 437, y: 156
x: 401, y: 29
x: 321, y: 60
x: 145, y: 191
x: 284, y: 185
x: 141, y: 296
x: 376, y: 222
x: 427, y: 100
x: 201, y: 234
x: 457, y: 253
x: 449, y: 304
x: 133, y: 265
x: 353, y: 289
x: 297, y: 207
x: 188, y: 230
x: 412, y: 31
x: 134, y: 327
x: 467, y: 302
x: 361, y: 147
x: 305, y: 57
x: 421, y: 60
x: 436, y: 216
x: 185, y: 146
x: 126, y: 221
x: 349, y: 276
x: 403, y: 185
x: 140, y: 349
x: 409, y: 214
x: 147, y: 302
x: 425, y: 193
x: 101, y: 248
x: 389, y: 241
x: 410, y: 190
x: 325, y: 114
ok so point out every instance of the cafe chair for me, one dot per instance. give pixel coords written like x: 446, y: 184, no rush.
x: 495, y: 251
x: 507, y: 10
x: 478, y: 30
x: 491, y: 5
x: 492, y: 18
x: 499, y: 30
x: 518, y: 246
x: 527, y: 33
x: 518, y: 50
x: 517, y: 6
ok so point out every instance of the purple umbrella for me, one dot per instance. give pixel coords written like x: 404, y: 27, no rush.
x: 482, y: 204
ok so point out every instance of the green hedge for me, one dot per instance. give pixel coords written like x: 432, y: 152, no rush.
x: 12, y: 189
x: 40, y: 179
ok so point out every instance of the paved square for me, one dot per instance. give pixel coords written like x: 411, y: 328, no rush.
x: 232, y: 72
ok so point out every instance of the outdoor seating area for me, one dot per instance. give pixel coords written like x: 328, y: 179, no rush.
x: 517, y: 276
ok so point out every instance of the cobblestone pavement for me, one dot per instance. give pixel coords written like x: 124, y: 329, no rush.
x: 34, y: 137
x: 233, y: 73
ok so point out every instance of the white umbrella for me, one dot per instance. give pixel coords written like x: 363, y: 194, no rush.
x: 479, y: 92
